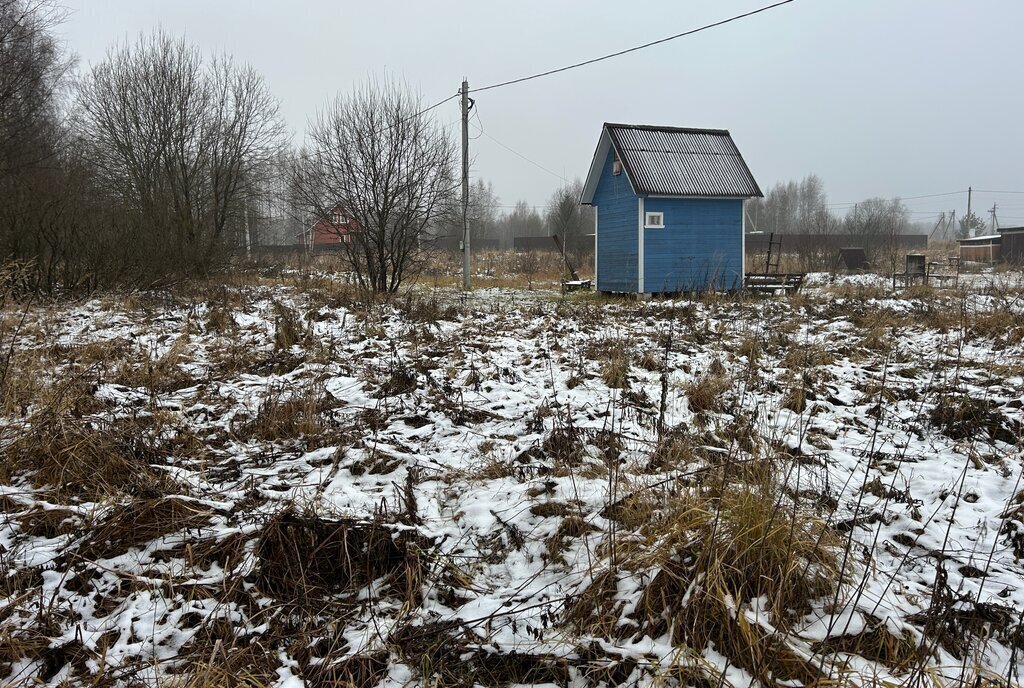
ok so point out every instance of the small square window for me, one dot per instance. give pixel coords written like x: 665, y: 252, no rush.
x: 654, y: 221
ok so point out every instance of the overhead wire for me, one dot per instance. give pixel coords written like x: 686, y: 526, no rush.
x: 902, y: 198
x: 479, y: 122
x: 592, y: 61
x: 936, y: 195
x: 520, y: 155
x: 947, y: 193
x: 631, y: 50
x: 567, y: 68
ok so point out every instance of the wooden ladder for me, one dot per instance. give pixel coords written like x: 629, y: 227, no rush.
x: 772, y: 266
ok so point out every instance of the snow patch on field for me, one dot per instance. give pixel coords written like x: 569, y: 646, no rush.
x: 479, y: 446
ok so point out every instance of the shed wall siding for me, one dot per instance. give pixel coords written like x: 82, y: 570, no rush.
x: 617, y: 236
x: 701, y: 246
x: 1012, y: 248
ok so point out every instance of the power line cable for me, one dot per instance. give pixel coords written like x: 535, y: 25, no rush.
x: 479, y: 124
x: 905, y: 198
x: 517, y: 153
x: 633, y: 49
x: 948, y: 193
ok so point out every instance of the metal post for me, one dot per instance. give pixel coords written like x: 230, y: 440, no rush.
x: 466, y: 280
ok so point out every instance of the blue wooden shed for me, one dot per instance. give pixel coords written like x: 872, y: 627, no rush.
x: 668, y: 207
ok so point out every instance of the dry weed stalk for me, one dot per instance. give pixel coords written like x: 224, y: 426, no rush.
x: 283, y: 415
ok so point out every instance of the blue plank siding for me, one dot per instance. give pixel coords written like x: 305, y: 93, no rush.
x: 701, y: 246
x: 617, y: 231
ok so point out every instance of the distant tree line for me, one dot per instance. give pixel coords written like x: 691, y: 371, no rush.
x: 802, y: 207
x: 160, y: 163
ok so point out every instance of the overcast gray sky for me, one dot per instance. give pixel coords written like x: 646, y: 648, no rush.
x: 878, y: 97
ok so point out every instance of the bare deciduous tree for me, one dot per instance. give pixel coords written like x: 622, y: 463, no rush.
x: 378, y: 156
x: 181, y: 143
x: 31, y: 70
x: 570, y: 220
x: 35, y: 182
x: 524, y: 221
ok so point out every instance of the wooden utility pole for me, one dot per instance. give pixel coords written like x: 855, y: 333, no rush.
x: 967, y: 218
x: 466, y: 280
x: 995, y: 222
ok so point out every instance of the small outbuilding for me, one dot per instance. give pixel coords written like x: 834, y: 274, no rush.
x: 981, y: 249
x: 668, y: 209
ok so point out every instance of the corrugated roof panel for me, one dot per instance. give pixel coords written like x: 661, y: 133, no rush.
x: 671, y: 161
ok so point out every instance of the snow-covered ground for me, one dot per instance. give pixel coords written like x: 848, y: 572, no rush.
x: 274, y: 485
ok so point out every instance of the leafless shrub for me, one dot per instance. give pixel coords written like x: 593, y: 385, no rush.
x: 380, y: 158
x: 528, y: 265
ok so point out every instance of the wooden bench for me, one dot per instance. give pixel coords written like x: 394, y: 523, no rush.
x: 774, y: 281
x: 576, y: 285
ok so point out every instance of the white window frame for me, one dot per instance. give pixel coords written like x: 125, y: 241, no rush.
x: 649, y: 224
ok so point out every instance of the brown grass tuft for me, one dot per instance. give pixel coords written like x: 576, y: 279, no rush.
x: 708, y: 552
x: 705, y: 394
x: 288, y: 329
x: 963, y: 417
x: 877, y: 643
x: 565, y: 445
x: 49, y: 523
x: 615, y: 364
x: 162, y: 374
x: 140, y: 522
x: 305, y: 559
x: 84, y: 460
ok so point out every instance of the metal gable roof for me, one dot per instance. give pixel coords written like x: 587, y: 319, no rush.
x: 675, y: 161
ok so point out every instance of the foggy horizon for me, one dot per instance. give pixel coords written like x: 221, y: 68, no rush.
x: 878, y: 99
